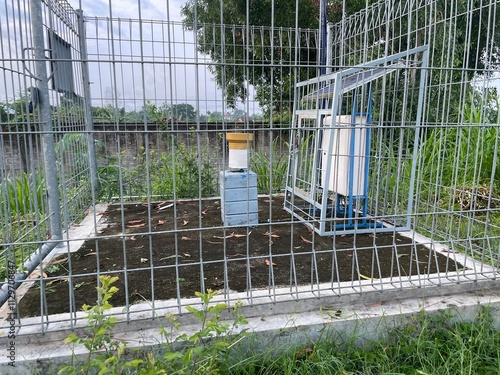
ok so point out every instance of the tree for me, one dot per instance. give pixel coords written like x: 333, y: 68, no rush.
x: 133, y: 117
x: 256, y: 117
x: 231, y: 73
x: 3, y: 113
x: 266, y: 64
x: 478, y: 23
x: 182, y: 112
x: 272, y: 64
x: 105, y: 114
x: 238, y: 115
x: 215, y: 117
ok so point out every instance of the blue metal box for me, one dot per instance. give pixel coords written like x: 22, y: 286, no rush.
x: 238, y: 191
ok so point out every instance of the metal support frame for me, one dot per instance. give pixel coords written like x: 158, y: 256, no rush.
x: 89, y: 121
x: 47, y: 136
x: 49, y: 154
x: 332, y: 87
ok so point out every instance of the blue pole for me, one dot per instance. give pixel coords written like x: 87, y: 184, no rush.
x: 323, y: 27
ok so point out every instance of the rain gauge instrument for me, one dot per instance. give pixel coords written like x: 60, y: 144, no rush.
x: 329, y: 176
x: 238, y: 184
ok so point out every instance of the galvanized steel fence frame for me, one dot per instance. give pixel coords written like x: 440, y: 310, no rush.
x: 140, y: 65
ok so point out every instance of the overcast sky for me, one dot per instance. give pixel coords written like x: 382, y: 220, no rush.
x: 163, y: 83
x: 173, y: 72
x: 150, y: 9
x: 207, y: 97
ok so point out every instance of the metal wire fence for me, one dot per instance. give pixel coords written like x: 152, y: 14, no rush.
x: 118, y: 126
x: 46, y: 184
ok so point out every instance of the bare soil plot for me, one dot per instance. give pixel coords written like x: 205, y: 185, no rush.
x: 275, y: 252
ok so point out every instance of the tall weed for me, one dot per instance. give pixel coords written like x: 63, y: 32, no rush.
x: 178, y: 173
x: 182, y: 174
x: 22, y: 196
x: 271, y: 168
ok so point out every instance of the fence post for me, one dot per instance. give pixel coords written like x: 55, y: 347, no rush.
x: 89, y: 120
x: 47, y: 136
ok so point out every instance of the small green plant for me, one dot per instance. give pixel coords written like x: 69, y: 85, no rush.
x: 203, y: 352
x: 208, y: 349
x: 48, y: 288
x: 79, y: 285
x: 104, y: 354
x: 53, y: 268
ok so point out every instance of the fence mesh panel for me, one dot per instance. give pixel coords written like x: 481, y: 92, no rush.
x: 138, y: 101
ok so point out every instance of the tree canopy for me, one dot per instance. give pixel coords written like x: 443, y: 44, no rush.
x: 267, y: 60
x: 3, y: 113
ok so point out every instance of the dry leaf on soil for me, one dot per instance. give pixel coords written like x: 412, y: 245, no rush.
x: 36, y: 274
x: 57, y: 280
x: 224, y: 237
x: 272, y: 234
x: 136, y: 225
x: 236, y: 255
x: 132, y: 222
x: 269, y: 263
x: 59, y: 261
x: 305, y: 239
x: 308, y: 227
x: 367, y: 278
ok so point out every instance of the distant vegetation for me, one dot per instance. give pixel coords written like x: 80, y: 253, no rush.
x: 165, y: 114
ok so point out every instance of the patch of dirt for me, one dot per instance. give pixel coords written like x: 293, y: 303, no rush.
x: 180, y: 237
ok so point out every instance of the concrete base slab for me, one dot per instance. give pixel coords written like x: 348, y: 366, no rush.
x: 305, y: 321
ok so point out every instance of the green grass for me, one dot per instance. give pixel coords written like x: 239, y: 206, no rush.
x: 454, y: 163
x: 182, y: 172
x: 271, y: 168
x: 441, y: 344
x: 22, y: 202
x: 427, y: 345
